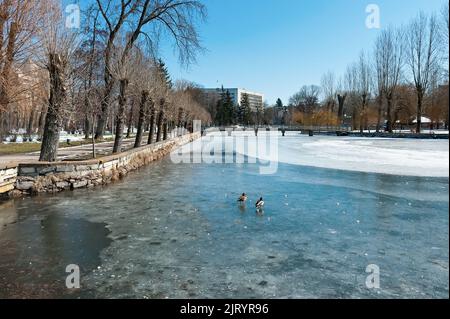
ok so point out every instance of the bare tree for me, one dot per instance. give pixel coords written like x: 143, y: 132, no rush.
x: 422, y: 57
x: 90, y: 57
x: 306, y: 99
x: 328, y: 83
x: 19, y: 23
x: 175, y: 18
x: 363, y: 88
x: 114, y: 22
x: 341, y: 96
x: 188, y: 104
x: 58, y: 47
x: 150, y: 87
x: 123, y: 70
x: 353, y: 96
x: 443, y: 31
x: 389, y: 56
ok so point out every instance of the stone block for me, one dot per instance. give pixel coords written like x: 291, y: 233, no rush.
x: 9, y: 172
x: 24, y: 185
x: 6, y: 188
x: 65, y: 168
x: 64, y: 185
x: 27, y: 170
x: 83, y: 168
x: 79, y: 184
x: 45, y: 170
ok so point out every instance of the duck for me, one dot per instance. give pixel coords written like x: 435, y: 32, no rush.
x: 260, y: 203
x: 243, y: 198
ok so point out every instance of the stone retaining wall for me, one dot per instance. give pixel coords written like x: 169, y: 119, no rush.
x: 43, y: 177
x: 8, y: 175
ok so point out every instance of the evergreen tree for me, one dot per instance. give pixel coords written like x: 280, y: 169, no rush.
x: 245, y: 111
x: 228, y: 109
x: 222, y: 115
x: 164, y: 73
x: 239, y: 115
x: 280, y: 112
x: 220, y: 112
x: 279, y: 104
x: 225, y: 109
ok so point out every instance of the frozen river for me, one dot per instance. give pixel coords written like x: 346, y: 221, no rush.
x: 412, y: 157
x: 176, y: 231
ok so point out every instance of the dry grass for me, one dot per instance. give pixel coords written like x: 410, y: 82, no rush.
x: 18, y: 148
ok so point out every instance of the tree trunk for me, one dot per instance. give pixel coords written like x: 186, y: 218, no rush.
x: 41, y: 121
x: 354, y: 119
x: 159, y: 126
x: 180, y: 122
x: 380, y: 112
x: 130, y: 120
x: 120, y: 116
x: 419, y: 112
x: 389, y: 115
x: 102, y: 117
x: 87, y: 126
x: 140, y: 127
x: 1, y: 126
x: 165, y: 130
x: 151, y: 130
x: 361, y: 121
x: 50, y: 140
x: 31, y: 122
x: 341, y: 101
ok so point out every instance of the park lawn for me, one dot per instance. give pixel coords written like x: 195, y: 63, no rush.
x: 18, y: 148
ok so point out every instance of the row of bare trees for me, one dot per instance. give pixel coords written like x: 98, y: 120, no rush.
x: 20, y: 24
x: 404, y: 79
x: 105, y: 75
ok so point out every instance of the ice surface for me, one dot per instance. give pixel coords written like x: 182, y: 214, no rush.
x: 178, y: 232
x: 409, y: 157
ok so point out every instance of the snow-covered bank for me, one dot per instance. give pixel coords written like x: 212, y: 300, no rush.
x: 376, y: 155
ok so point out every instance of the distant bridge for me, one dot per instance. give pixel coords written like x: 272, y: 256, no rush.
x: 327, y: 130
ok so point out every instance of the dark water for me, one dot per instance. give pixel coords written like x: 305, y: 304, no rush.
x: 36, y: 246
x: 176, y: 231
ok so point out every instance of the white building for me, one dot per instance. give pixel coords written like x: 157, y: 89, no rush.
x: 255, y: 99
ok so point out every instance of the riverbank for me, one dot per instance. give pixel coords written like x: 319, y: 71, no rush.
x: 32, y: 178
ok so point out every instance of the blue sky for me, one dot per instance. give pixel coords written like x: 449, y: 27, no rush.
x: 276, y: 46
